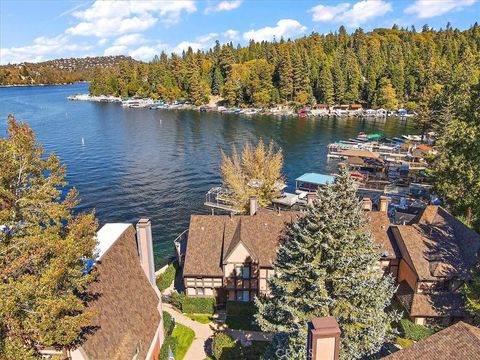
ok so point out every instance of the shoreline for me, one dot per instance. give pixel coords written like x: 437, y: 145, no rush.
x: 43, y: 85
x: 320, y: 110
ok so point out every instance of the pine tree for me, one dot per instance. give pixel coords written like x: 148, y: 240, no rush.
x: 327, y: 265
x: 471, y: 290
x: 285, y: 74
x: 326, y: 85
x: 43, y: 246
x: 387, y: 97
x: 217, y: 81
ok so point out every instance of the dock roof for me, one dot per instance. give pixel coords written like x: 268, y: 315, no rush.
x: 317, y: 179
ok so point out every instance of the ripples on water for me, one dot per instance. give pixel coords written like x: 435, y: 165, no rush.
x: 159, y: 164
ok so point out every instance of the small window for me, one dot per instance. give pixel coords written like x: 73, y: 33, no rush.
x: 246, y: 272
x: 238, y: 271
x: 243, y: 296
x: 200, y: 291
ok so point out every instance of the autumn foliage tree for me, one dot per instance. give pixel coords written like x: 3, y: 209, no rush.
x: 43, y: 246
x: 256, y: 171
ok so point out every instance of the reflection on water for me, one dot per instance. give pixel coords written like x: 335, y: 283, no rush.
x: 157, y: 163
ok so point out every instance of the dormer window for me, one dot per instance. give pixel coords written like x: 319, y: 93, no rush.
x: 242, y: 272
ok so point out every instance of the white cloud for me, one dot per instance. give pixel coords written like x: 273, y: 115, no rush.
x: 328, y: 13
x: 110, y: 18
x: 225, y: 5
x: 41, y: 48
x: 352, y: 16
x: 430, y: 8
x: 231, y: 34
x: 285, y: 28
x: 184, y: 45
x: 207, y: 38
x: 115, y: 50
x: 147, y: 52
x: 102, y: 41
x: 130, y: 39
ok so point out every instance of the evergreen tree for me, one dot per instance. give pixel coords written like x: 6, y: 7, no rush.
x: 217, y: 81
x: 328, y: 265
x: 326, y: 85
x: 387, y: 97
x: 456, y: 169
x: 285, y: 74
x: 43, y: 246
x: 471, y: 290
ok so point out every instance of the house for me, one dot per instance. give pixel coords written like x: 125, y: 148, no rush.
x: 127, y: 322
x: 437, y: 253
x: 459, y: 341
x: 231, y: 257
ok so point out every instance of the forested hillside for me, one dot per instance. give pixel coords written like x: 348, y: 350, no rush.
x: 384, y: 68
x: 57, y: 71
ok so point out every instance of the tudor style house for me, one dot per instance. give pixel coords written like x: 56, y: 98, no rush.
x: 127, y: 318
x: 231, y: 257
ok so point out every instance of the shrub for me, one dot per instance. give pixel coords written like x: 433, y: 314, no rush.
x: 176, y: 300
x: 198, y: 305
x: 404, y: 343
x: 223, y: 346
x: 413, y: 331
x: 165, y: 279
x: 168, y: 323
x: 239, y: 308
x: 168, y: 343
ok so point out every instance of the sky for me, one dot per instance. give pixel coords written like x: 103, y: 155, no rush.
x: 43, y: 30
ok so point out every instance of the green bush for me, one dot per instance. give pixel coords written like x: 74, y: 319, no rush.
x: 241, y: 316
x: 223, y: 346
x: 239, y: 308
x: 168, y: 323
x: 413, y: 331
x: 198, y: 305
x: 168, y: 343
x: 404, y: 343
x: 165, y: 279
x: 176, y: 300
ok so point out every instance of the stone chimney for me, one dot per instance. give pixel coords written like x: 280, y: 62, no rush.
x: 145, y: 248
x: 311, y: 198
x: 323, y: 339
x: 383, y: 204
x: 253, y: 205
x: 367, y: 204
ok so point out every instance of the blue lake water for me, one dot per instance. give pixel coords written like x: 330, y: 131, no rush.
x: 160, y: 163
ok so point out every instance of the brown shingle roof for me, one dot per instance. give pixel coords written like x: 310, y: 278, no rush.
x: 459, y: 341
x: 379, y: 226
x: 212, y: 237
x: 439, y: 245
x: 126, y: 311
x: 360, y: 153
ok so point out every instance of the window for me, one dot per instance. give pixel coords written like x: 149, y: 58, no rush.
x: 200, y: 291
x: 243, y: 296
x: 242, y: 272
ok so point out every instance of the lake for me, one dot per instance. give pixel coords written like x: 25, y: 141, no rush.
x: 160, y: 163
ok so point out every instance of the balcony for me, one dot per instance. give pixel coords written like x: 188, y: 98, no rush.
x: 180, y: 244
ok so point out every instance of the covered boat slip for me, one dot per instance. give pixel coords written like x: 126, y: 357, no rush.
x: 310, y: 182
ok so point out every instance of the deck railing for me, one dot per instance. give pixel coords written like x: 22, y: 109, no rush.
x: 180, y: 243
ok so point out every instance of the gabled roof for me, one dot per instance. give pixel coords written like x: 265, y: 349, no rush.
x: 459, y: 341
x: 439, y: 245
x: 125, y: 313
x: 379, y: 226
x: 211, y: 238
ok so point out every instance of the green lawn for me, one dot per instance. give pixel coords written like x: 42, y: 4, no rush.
x: 185, y: 337
x: 201, y: 318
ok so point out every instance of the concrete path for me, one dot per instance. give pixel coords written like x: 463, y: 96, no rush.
x: 203, y: 332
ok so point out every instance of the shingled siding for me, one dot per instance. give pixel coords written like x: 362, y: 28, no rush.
x: 126, y: 313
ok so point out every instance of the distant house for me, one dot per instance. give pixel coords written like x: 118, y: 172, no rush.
x: 127, y: 319
x: 437, y: 252
x: 459, y: 341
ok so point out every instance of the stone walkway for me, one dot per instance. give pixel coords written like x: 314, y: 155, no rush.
x: 203, y: 332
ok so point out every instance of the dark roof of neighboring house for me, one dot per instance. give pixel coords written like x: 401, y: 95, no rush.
x: 459, y: 341
x: 441, y: 304
x: 379, y: 226
x: 439, y: 245
x: 126, y: 311
x: 212, y: 237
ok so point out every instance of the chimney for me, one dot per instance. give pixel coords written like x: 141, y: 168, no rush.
x: 311, y: 198
x: 323, y: 339
x: 367, y: 204
x: 383, y: 204
x: 253, y: 205
x: 145, y: 248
